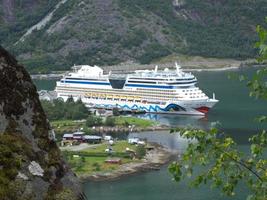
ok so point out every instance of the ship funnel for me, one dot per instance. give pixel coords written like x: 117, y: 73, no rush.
x: 213, y: 96
x: 156, y: 68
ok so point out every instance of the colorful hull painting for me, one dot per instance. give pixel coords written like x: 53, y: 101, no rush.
x: 170, y: 108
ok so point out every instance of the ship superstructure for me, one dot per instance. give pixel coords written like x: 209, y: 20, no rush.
x: 153, y: 91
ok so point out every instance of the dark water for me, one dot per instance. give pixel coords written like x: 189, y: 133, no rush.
x: 235, y: 115
x: 45, y: 84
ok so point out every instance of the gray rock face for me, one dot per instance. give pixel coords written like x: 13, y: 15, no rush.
x: 31, y: 166
x: 35, y: 169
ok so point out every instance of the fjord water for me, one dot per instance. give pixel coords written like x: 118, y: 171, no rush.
x: 235, y: 115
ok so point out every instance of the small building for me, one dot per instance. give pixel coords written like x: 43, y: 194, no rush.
x: 68, y: 136
x: 79, y: 135
x: 108, y: 137
x: 93, y: 139
x: 134, y: 140
x: 47, y: 95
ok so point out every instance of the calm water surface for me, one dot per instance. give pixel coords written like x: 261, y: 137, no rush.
x: 235, y: 115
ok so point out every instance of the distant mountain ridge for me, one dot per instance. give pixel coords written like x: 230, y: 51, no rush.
x: 105, y: 32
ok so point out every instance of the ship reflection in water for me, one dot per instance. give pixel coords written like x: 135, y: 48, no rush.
x: 172, y: 141
x: 193, y: 121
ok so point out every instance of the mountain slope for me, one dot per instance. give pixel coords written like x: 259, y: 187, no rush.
x: 112, y: 31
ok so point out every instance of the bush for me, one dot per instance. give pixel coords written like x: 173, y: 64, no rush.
x: 59, y: 109
x: 153, y: 51
x: 97, y: 166
x: 83, y: 159
x: 93, y: 120
x: 115, y: 112
x: 140, y: 151
x: 110, y: 121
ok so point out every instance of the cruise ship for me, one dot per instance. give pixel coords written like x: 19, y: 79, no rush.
x: 151, y: 91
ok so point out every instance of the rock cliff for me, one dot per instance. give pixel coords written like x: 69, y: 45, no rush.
x: 31, y: 166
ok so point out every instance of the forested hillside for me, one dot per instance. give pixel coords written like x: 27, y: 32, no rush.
x: 106, y: 32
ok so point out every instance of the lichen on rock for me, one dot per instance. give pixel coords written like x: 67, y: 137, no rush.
x: 31, y: 166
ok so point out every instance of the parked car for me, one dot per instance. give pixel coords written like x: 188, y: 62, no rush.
x: 111, y: 142
x: 108, y: 150
x: 108, y: 137
x: 134, y: 140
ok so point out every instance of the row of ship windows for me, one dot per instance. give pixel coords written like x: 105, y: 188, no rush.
x: 118, y: 90
x: 164, y: 79
x: 155, y: 90
x: 114, y: 97
x: 202, y: 96
x: 128, y: 100
x: 131, y: 98
x: 85, y: 79
x: 122, y: 92
x: 144, y: 92
x: 148, y: 93
x: 135, y: 81
x: 199, y: 93
x: 117, y: 95
x: 160, y: 82
x: 136, y: 100
x: 191, y: 90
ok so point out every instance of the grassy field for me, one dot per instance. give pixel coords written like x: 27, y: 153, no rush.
x: 119, y: 146
x: 137, y: 122
x: 68, y: 126
x: 88, y: 165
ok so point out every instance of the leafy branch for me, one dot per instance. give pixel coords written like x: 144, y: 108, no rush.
x: 217, y: 155
x: 224, y: 161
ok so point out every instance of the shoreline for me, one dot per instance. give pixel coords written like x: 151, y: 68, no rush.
x: 153, y: 160
x: 120, y: 68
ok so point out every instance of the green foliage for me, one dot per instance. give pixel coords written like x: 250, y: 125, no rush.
x: 211, y: 29
x: 152, y: 52
x: 96, y: 154
x: 68, y: 126
x: 97, y: 166
x: 95, y: 158
x: 110, y: 121
x: 40, y: 64
x: 147, y: 30
x: 134, y: 38
x: 262, y: 43
x: 10, y: 33
x: 224, y: 166
x: 93, y: 120
x: 58, y: 109
x: 13, y: 151
x: 257, y: 85
x: 140, y: 151
x: 115, y: 111
x: 65, y: 193
x: 133, y: 121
